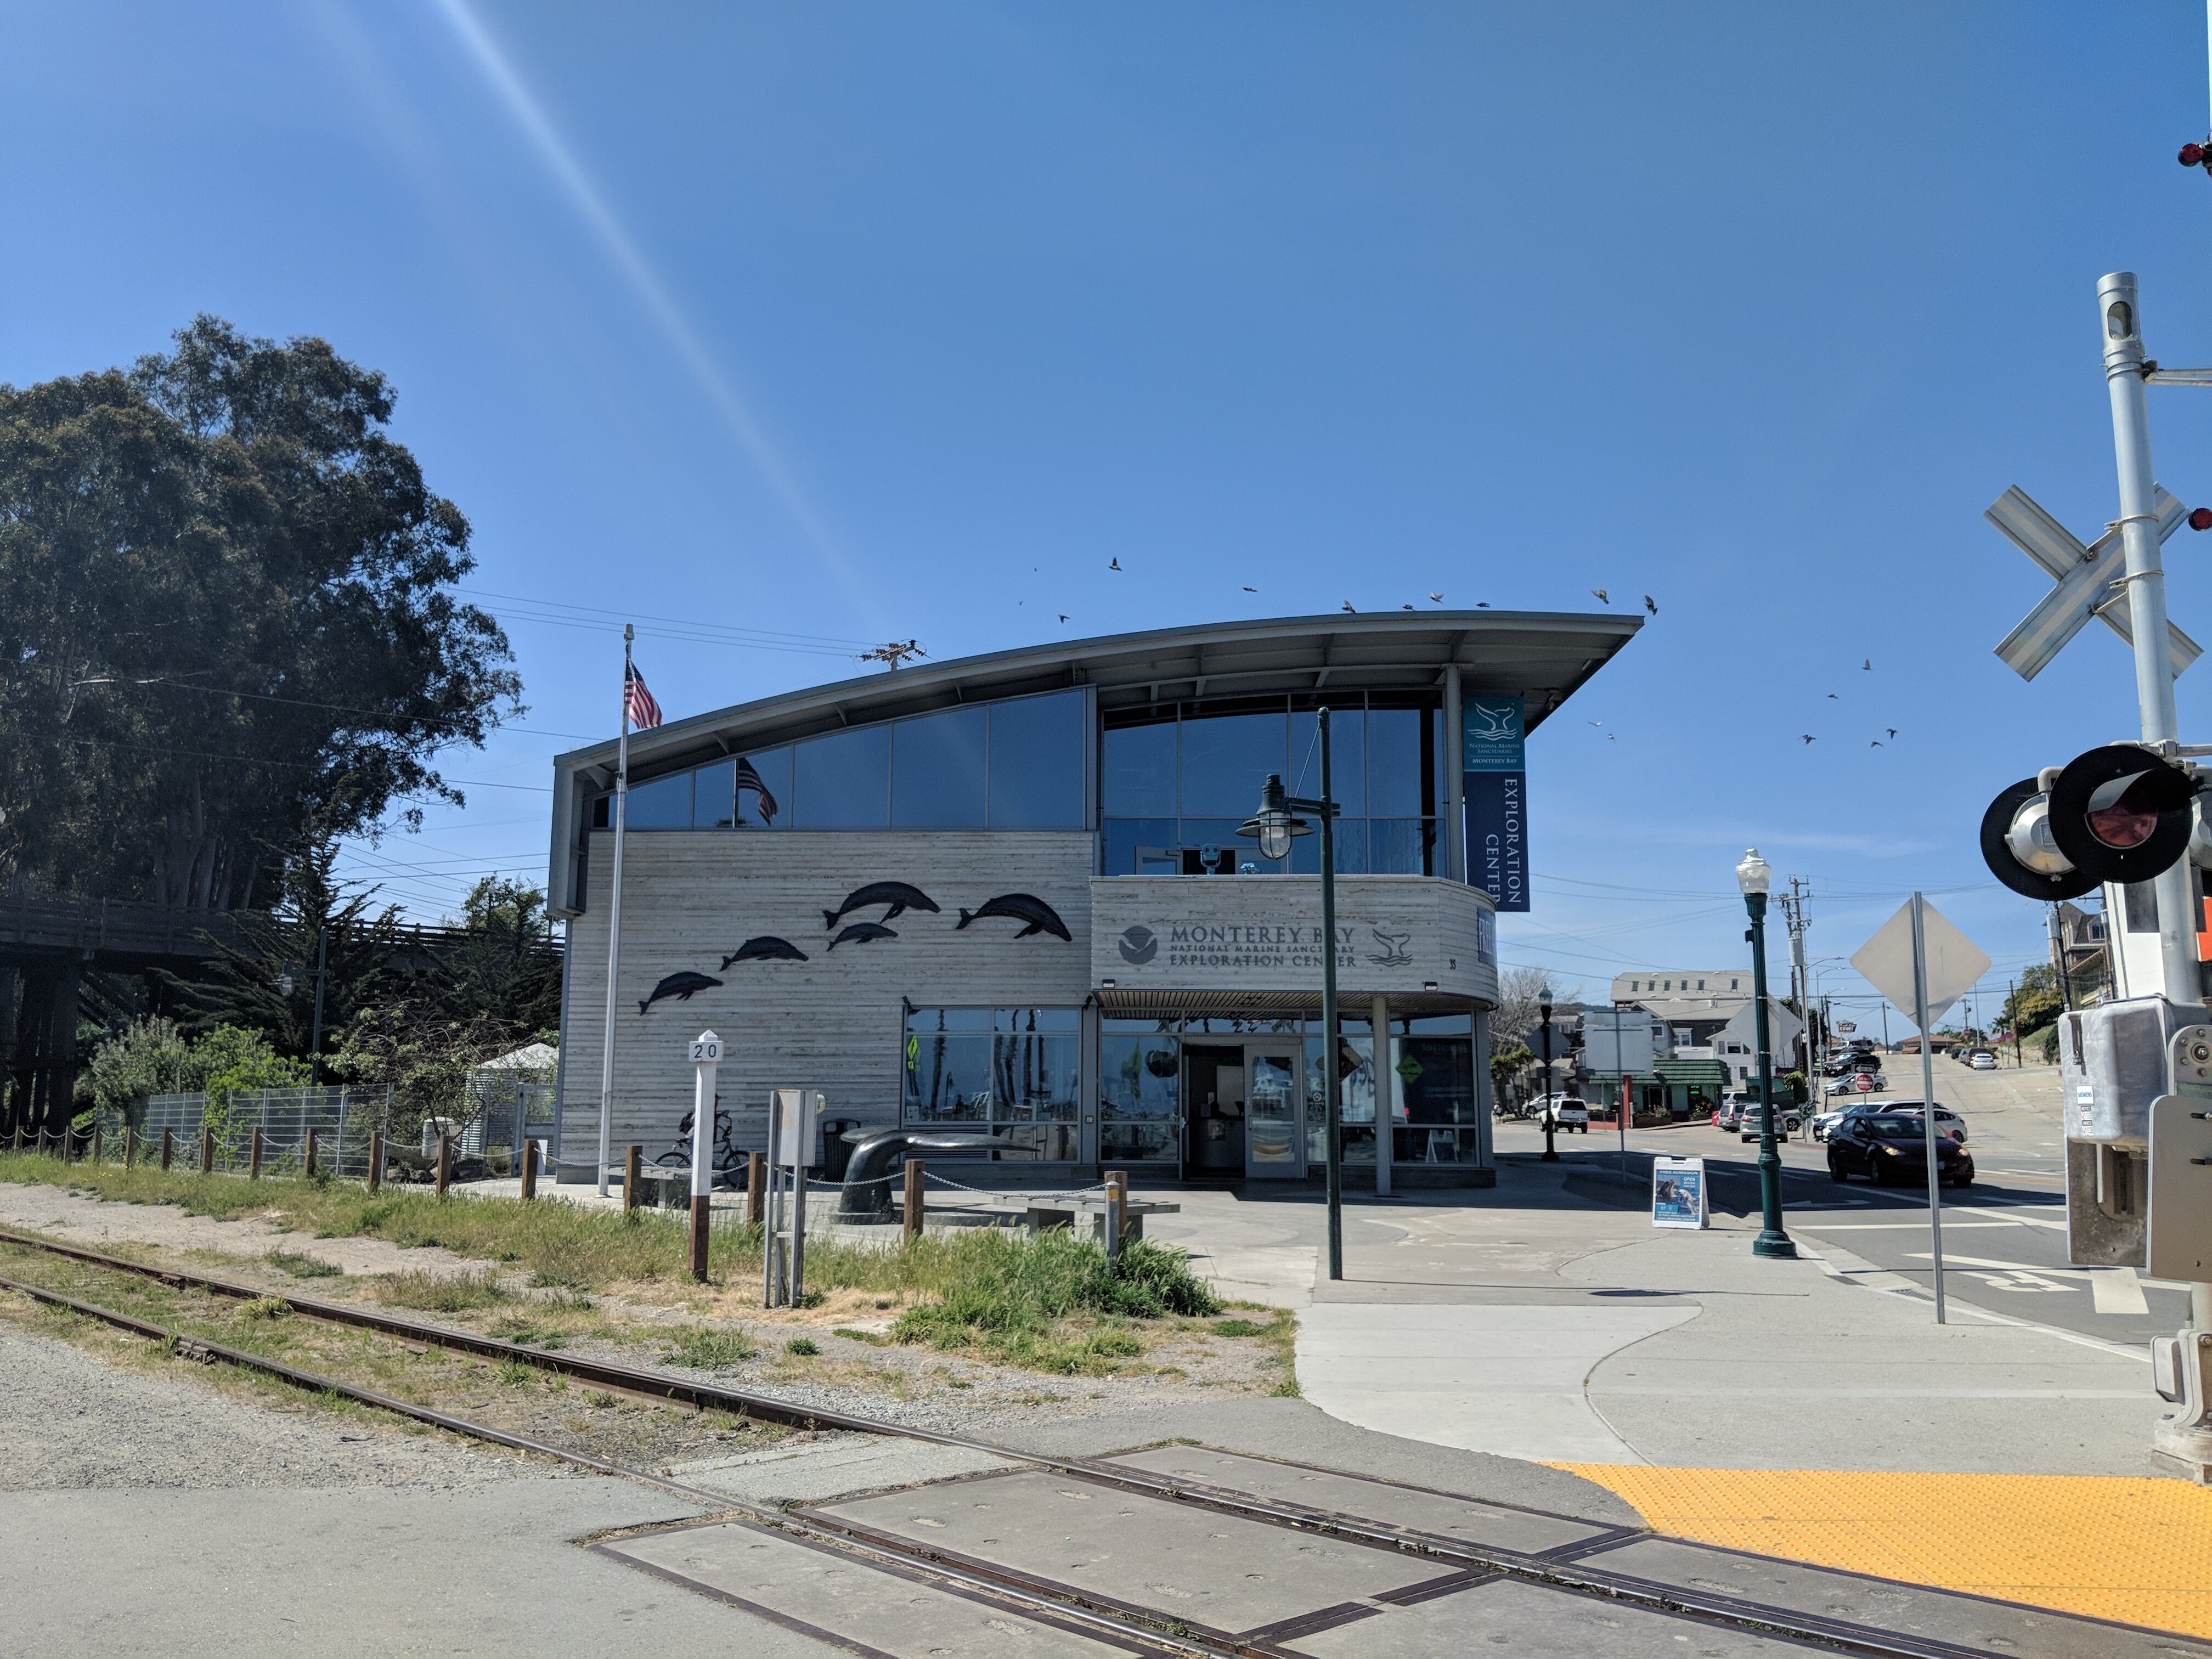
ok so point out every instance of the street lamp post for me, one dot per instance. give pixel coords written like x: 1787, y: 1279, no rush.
x: 1551, y: 1117
x: 1274, y: 827
x: 1753, y: 875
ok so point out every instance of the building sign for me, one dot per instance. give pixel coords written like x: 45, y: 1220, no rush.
x: 1264, y: 933
x: 1494, y: 780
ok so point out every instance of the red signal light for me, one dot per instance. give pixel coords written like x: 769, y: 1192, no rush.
x: 2192, y: 155
x: 2200, y: 519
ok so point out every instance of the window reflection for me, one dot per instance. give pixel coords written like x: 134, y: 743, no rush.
x: 664, y: 803
x: 765, y: 789
x: 713, y: 789
x: 937, y: 770
x: 1036, y: 763
x: 842, y: 781
x: 1226, y: 758
x: 1139, y: 766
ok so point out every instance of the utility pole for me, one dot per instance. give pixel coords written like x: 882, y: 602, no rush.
x: 2185, y: 1437
x: 1801, y: 978
x: 2059, y: 961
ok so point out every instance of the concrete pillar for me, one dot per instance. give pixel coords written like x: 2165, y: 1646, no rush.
x: 1386, y: 1092
x: 1453, y: 780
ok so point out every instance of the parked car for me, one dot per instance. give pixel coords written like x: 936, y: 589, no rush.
x: 1982, y: 1060
x: 1887, y: 1146
x: 1857, y: 1083
x: 1948, y: 1123
x: 1786, y: 1123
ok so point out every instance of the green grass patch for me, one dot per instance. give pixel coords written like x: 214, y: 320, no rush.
x: 521, y: 1328
x: 441, y: 1293
x: 873, y: 1339
x: 805, y: 1347
x: 1236, y: 1327
x: 264, y: 1307
x: 1009, y: 1295
x: 701, y: 1349
x: 303, y: 1267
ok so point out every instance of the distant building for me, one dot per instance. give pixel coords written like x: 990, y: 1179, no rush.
x: 1682, y: 983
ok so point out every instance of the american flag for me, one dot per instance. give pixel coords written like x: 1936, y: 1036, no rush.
x: 748, y: 778
x: 637, y: 702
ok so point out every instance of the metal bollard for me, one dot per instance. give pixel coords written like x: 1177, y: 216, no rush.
x: 253, y: 1160
x: 529, y: 1171
x: 445, y: 1164
x: 1117, y: 1210
x: 207, y: 1152
x: 756, y: 1188
x: 129, y: 1149
x: 375, y: 1160
x: 168, y: 1146
x: 311, y: 1155
x: 910, y: 1213
x: 633, y: 1176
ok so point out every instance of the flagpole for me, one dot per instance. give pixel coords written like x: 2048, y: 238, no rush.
x: 614, y: 923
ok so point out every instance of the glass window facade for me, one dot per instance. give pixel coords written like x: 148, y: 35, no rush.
x: 1016, y: 1072
x: 1175, y: 781
x: 1014, y: 764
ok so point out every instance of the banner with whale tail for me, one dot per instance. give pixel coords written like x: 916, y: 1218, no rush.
x: 1494, y: 783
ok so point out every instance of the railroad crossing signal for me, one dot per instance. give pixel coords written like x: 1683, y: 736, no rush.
x: 2091, y: 580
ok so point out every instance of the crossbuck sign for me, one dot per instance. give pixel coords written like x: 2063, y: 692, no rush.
x: 2092, y: 581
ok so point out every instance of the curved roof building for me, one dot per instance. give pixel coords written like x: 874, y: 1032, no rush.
x: 1008, y: 894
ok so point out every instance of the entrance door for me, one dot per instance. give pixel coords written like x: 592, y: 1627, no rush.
x: 1274, y: 1128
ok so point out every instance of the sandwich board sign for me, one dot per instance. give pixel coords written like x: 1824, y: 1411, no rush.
x: 1678, y: 1193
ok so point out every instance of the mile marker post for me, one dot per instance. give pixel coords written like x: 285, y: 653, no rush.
x: 706, y: 1055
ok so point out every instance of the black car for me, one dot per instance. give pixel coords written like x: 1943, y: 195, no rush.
x: 1886, y: 1146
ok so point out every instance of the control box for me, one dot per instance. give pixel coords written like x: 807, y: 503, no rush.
x: 2115, y: 1061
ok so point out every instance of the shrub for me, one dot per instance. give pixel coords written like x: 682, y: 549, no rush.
x: 805, y: 1347
x: 703, y: 1349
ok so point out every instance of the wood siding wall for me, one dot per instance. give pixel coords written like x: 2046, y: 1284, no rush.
x: 832, y: 1022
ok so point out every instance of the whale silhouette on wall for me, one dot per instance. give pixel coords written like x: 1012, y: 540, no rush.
x: 766, y: 948
x: 1020, y: 906
x: 683, y: 987
x: 898, y: 894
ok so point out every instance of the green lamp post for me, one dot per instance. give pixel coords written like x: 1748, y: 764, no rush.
x: 1754, y: 875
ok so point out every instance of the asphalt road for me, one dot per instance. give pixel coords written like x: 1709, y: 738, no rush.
x: 2004, y: 1239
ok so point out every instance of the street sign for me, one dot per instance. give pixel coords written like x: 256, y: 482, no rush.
x: 706, y: 1049
x: 2089, y: 580
x: 1955, y: 961
x: 1845, y: 1027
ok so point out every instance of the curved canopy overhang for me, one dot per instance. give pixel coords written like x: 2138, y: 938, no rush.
x: 1540, y: 657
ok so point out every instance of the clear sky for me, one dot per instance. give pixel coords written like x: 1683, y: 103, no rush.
x: 812, y: 326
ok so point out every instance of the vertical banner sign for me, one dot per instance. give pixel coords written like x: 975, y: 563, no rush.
x: 1495, y: 780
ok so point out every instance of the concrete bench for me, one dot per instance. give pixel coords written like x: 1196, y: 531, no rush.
x: 1086, y: 1217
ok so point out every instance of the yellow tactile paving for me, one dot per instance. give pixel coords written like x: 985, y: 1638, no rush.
x: 2135, y: 1550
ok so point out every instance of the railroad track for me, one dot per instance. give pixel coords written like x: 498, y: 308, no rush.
x: 1461, y: 1564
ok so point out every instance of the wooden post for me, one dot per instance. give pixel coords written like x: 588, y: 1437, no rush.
x: 207, y: 1150
x: 445, y: 1164
x: 756, y: 1188
x: 375, y: 1160
x: 633, y: 1176
x: 702, y: 1218
x: 912, y: 1211
x: 529, y: 1169
x: 95, y: 1143
x: 129, y: 1148
x: 168, y: 1146
x: 254, y: 1159
x: 311, y: 1155
x: 19, y: 1137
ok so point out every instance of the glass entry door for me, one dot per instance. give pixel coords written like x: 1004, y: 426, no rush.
x: 1274, y: 1139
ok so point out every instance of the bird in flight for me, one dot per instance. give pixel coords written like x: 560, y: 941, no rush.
x: 1348, y: 605
x: 1598, y: 722
x: 1608, y: 737
x: 1114, y: 563
x: 1063, y: 616
x: 1867, y: 664
x: 1891, y: 730
x: 1482, y: 604
x: 1649, y: 606
x: 1808, y: 736
x: 1877, y: 743
x: 1602, y: 598
x: 1251, y: 590
x: 1437, y: 597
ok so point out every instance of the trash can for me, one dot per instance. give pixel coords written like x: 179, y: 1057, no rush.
x: 837, y: 1150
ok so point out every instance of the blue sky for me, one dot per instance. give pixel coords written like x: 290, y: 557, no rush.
x: 815, y: 325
